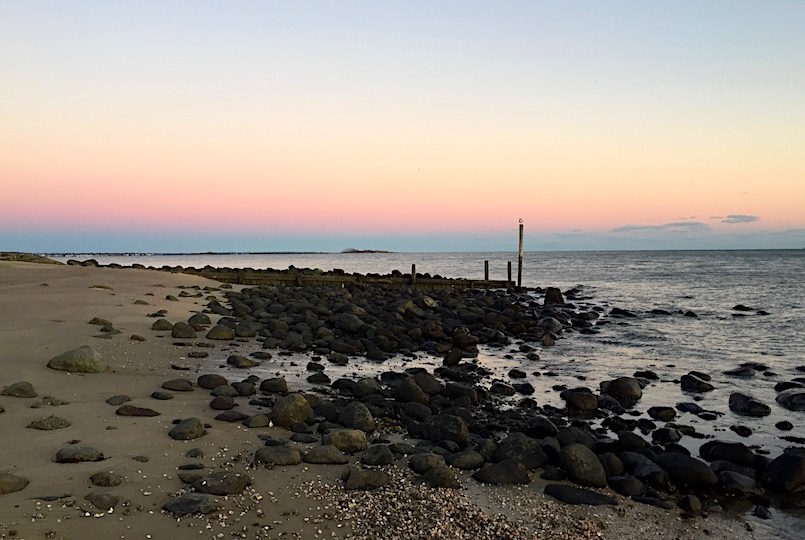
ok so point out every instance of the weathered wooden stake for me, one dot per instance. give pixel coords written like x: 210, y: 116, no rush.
x: 413, y: 276
x: 486, y: 270
x: 509, y: 268
x: 520, y: 258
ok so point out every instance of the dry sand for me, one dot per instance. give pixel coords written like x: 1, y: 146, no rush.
x: 45, y: 309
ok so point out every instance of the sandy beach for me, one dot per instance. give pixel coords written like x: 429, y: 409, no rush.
x: 46, y: 310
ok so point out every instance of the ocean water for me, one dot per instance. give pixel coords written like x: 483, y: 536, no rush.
x: 708, y: 283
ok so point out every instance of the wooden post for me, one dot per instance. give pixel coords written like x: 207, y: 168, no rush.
x: 509, y: 268
x: 486, y: 270
x: 413, y: 276
x: 520, y: 258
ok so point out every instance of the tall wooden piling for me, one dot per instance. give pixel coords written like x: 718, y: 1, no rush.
x: 413, y: 276
x: 486, y: 270
x: 520, y: 258
x: 509, y: 272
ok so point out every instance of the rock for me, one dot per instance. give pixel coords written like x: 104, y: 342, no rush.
x: 326, y: 455
x: 130, y: 410
x: 761, y: 512
x: 190, y: 503
x: 349, y: 323
x: 222, y: 403
x: 652, y: 501
x: 106, y: 479
x: 360, y: 479
x: 737, y: 484
x: 178, y: 385
x: 735, y: 452
x: 241, y: 362
x: 541, y: 427
x: 691, y: 383
x: 625, y: 389
x: 11, y: 483
x: 221, y: 332
x: 222, y: 482
x: 22, y: 389
x: 519, y: 447
x: 247, y: 329
x: 102, y: 501
x: 231, y: 416
x: 257, y: 421
x: 686, y: 471
x: 627, y: 486
x: 786, y: 472
x: 441, y: 477
x: 118, y: 400
x: 691, y: 504
x: 291, y: 409
x: 377, y: 455
x: 465, y: 460
x: 574, y: 495
x: 276, y: 385
x: 748, y: 406
x: 182, y: 330
x: 663, y: 414
x: 162, y: 325
x: 579, y: 402
x: 211, y: 382
x: 553, y: 296
x: 446, y: 427
x: 504, y: 472
x: 421, y: 463
x: 278, y: 455
x: 188, y: 429
x: 161, y: 396
x: 792, y: 399
x: 199, y: 319
x: 582, y: 466
x: 408, y: 390
x: 346, y: 440
x: 744, y: 372
x: 83, y: 359
x: 78, y: 454
x: 356, y: 415
x: 613, y: 466
x: 100, y: 322
x: 49, y: 423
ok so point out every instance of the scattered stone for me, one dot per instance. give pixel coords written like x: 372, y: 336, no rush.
x: 582, y: 465
x: 346, y: 440
x: 102, y: 501
x: 748, y: 406
x: 118, y: 400
x: 178, y: 385
x: 291, y: 409
x: 161, y: 396
x: 361, y: 479
x: 191, y: 428
x: 277, y: 455
x: 190, y: 503
x: 327, y: 455
x: 22, y: 389
x: 223, y: 483
x: 83, y: 359
x: 49, y: 423
x: 11, y: 483
x: 131, y: 410
x: 78, y: 454
x: 162, y: 325
x: 106, y: 479
x: 221, y: 332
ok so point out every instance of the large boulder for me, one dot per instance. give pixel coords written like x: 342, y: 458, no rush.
x: 625, y: 389
x: 786, y: 472
x: 519, y: 447
x: 83, y: 359
x: 182, y: 330
x: 221, y: 332
x: 734, y: 452
x: 553, y: 296
x: 278, y: 455
x: 446, y: 427
x: 361, y: 479
x: 748, y: 406
x: 346, y: 440
x: 792, y: 399
x: 687, y: 471
x: 582, y: 465
x: 504, y: 472
x: 579, y: 402
x: 692, y: 383
x: 291, y: 409
x: 348, y: 322
x: 325, y: 455
x: 211, y: 381
x: 356, y: 415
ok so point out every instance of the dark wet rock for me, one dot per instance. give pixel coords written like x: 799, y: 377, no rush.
x: 106, y: 479
x: 319, y: 378
x: 735, y: 452
x: 524, y: 388
x: 627, y: 486
x: 11, y: 483
x: 540, y: 427
x: 504, y: 472
x: 580, y: 401
x: 742, y: 372
x: 244, y: 388
x: 247, y: 329
x: 786, y: 473
x: 224, y: 390
x: 761, y: 512
x: 686, y: 471
x: 502, y: 389
x: 665, y: 435
x: 691, y: 505
x: 748, y: 406
x: 222, y: 403
x: 784, y: 425
x: 241, y: 362
x: 421, y: 463
x: 83, y: 359
x: 22, y: 389
x: 741, y: 431
x: 49, y: 423
x: 304, y: 438
x: 441, y: 427
x: 691, y: 383
x: 102, y: 501
x: 212, y: 381
x: 222, y: 483
x: 644, y: 469
x: 737, y: 484
x: 221, y: 332
x: 792, y: 399
x: 465, y: 460
x: 613, y: 466
x: 278, y: 455
x: 131, y: 410
x: 361, y: 479
x: 178, y: 385
x: 582, y: 466
x: 377, y: 455
x: 256, y: 421
x: 182, y: 330
x: 118, y: 400
x: 441, y: 477
x: 162, y: 325
x: 574, y: 495
x: 356, y: 415
x: 291, y: 409
x: 408, y: 390
x: 553, y: 296
x: 687, y: 407
x: 346, y: 440
x: 188, y: 429
x: 663, y: 414
x: 199, y: 319
x: 326, y: 455
x: 78, y: 454
x: 161, y: 396
x: 275, y: 385
x: 629, y: 441
x: 626, y: 390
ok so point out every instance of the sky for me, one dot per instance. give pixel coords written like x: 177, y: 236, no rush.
x: 409, y: 126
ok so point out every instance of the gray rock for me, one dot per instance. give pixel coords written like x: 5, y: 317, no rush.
x: 441, y: 477
x: 199, y: 319
x: 290, y: 409
x: 190, y: 503
x: 278, y: 455
x: 11, y: 483
x: 625, y: 389
x: 106, y: 479
x: 221, y: 332
x: 178, y: 385
x: 361, y: 479
x: 446, y: 427
x: 786, y: 472
x: 182, y: 330
x: 686, y: 471
x: 256, y: 421
x: 356, y: 415
x: 118, y: 400
x: 377, y: 455
x: 78, y: 454
x: 102, y: 501
x: 49, y: 423
x: 421, y: 463
x: 211, y: 381
x: 504, y: 472
x: 84, y: 359
x: 325, y: 455
x: 276, y: 385
x: 748, y: 406
x: 162, y: 325
x: 161, y: 396
x: 408, y: 390
x: 465, y: 460
x: 346, y: 440
x: 188, y: 429
x: 22, y: 389
x: 222, y: 483
x: 692, y: 383
x: 792, y: 399
x: 130, y: 410
x: 627, y: 486
x: 241, y: 362
x: 582, y: 466
x: 519, y: 447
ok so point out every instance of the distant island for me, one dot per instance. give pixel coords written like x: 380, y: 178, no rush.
x: 353, y: 250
